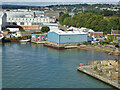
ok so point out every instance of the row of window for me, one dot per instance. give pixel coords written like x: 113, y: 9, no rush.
x: 36, y: 23
x: 22, y: 23
x: 28, y: 19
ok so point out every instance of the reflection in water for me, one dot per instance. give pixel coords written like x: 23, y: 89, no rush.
x: 36, y: 66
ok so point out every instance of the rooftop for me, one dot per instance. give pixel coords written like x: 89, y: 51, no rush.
x: 115, y: 32
x: 68, y: 32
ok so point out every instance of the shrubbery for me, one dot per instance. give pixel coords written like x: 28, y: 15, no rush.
x: 45, y: 29
x: 97, y: 22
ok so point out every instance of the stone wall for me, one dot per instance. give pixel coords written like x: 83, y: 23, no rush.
x: 63, y: 44
x: 104, y: 62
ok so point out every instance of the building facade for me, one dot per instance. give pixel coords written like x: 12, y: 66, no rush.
x: 28, y: 20
x: 64, y: 37
x: 53, y: 14
x: 3, y: 21
x: 114, y: 32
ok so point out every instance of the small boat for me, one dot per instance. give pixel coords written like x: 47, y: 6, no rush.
x: 117, y: 54
x: 25, y: 41
x: 1, y: 37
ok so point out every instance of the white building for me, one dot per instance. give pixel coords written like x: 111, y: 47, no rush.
x: 26, y: 18
x: 27, y: 21
x: 52, y: 26
x: 82, y: 29
x: 3, y: 21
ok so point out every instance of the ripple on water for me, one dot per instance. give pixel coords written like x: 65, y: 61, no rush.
x: 32, y: 66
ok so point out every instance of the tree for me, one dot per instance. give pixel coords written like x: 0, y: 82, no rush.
x: 67, y: 21
x: 62, y: 17
x: 45, y: 29
x: 22, y: 30
x: 97, y: 22
x: 7, y: 30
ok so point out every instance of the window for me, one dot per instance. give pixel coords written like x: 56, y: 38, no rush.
x: 9, y: 23
x: 22, y: 23
x: 35, y: 23
x: 14, y: 23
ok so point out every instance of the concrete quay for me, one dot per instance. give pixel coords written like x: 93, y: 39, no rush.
x: 38, y: 42
x: 105, y: 77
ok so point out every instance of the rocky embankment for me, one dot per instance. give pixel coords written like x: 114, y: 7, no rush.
x: 108, y: 49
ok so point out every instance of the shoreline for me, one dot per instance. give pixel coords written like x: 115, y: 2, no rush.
x: 109, y: 50
x: 102, y: 72
x: 81, y: 69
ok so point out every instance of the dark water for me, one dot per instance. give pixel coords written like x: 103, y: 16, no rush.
x: 36, y: 66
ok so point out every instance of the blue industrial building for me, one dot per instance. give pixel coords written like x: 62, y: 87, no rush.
x: 61, y: 37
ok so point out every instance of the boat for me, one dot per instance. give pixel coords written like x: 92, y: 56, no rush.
x: 117, y: 54
x: 1, y: 37
x: 27, y: 40
x: 24, y: 41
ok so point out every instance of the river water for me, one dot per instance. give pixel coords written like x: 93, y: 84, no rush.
x: 36, y: 66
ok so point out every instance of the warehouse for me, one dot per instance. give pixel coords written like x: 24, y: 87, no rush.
x: 26, y: 20
x: 3, y: 21
x: 66, y: 37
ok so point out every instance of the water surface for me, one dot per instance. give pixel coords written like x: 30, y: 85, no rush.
x: 36, y: 66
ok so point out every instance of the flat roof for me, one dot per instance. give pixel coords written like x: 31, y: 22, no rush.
x: 68, y: 32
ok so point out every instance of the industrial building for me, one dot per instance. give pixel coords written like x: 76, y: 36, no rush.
x: 66, y: 37
x: 3, y: 21
x: 91, y: 34
x: 53, y: 14
x: 26, y: 18
x: 29, y: 20
x: 115, y: 32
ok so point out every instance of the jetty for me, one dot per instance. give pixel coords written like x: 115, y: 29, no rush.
x: 105, y: 70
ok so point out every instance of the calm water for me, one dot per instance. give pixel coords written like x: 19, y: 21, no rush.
x: 36, y: 66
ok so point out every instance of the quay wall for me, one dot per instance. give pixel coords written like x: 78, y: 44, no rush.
x: 97, y: 76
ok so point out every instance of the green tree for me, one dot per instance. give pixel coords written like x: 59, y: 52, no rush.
x: 22, y: 30
x: 7, y: 30
x: 94, y: 21
x: 62, y: 17
x: 45, y: 29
